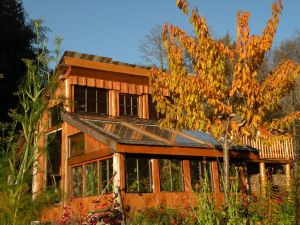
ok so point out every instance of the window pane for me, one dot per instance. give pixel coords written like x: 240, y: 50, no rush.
x: 138, y: 175
x: 134, y: 106
x: 77, y: 181
x: 122, y: 105
x: 91, y: 179
x: 165, y: 175
x: 171, y: 177
x: 177, y: 181
x: 79, y: 98
x: 128, y: 105
x: 76, y: 144
x: 106, y: 172
x: 153, y: 114
x: 201, y: 175
x: 54, y: 116
x: 145, y: 175
x: 131, y: 175
x: 110, y: 166
x: 54, y: 152
x: 91, y: 100
x: 79, y: 92
x: 235, y: 173
x: 80, y: 106
x: 102, y: 99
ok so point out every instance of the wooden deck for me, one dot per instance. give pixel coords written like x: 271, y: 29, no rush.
x: 278, y: 149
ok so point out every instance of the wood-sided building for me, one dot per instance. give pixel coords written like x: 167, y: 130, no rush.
x: 108, y: 132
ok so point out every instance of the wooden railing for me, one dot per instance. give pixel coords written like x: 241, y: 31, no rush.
x: 278, y: 149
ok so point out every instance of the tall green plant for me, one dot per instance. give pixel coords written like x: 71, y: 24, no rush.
x: 16, y: 203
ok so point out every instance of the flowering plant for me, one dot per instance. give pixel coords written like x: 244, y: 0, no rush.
x: 107, y: 213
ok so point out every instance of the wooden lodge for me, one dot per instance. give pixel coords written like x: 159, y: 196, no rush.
x: 108, y: 132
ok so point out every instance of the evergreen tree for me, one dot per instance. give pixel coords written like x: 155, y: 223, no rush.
x: 16, y: 37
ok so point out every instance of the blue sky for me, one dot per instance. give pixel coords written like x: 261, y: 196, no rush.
x: 115, y: 28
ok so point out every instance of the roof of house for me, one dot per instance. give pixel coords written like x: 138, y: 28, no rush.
x: 133, y: 131
x: 102, y: 59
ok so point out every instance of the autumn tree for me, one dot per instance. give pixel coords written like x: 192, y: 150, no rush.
x: 207, y: 100
x: 290, y: 49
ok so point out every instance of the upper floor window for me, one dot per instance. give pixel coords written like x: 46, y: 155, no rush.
x: 128, y: 105
x: 92, y: 100
x: 153, y: 114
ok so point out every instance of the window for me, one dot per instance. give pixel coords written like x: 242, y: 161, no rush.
x: 128, y: 105
x: 153, y: 114
x: 54, y: 116
x: 236, y: 171
x: 171, y: 176
x: 90, y: 100
x: 53, y: 150
x: 201, y: 175
x: 97, y: 178
x: 77, y: 181
x: 91, y: 181
x: 138, y: 174
x: 105, y: 175
x: 77, y: 144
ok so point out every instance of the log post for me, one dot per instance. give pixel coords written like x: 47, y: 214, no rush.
x: 263, y: 178
x: 117, y: 162
x: 288, y: 177
x: 155, y: 174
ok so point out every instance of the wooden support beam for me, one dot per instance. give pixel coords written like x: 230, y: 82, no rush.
x: 263, y: 178
x: 187, y: 176
x: 288, y: 177
x: 155, y: 176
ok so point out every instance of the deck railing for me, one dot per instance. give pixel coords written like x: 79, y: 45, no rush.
x: 276, y: 149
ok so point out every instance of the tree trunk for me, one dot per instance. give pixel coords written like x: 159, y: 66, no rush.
x: 226, y: 170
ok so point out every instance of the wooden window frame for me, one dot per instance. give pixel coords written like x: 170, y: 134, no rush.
x: 47, y: 160
x: 138, y: 174
x: 124, y: 105
x: 83, y: 165
x: 69, y: 144
x: 170, y: 170
x: 200, y: 176
x: 51, y: 123
x: 86, y: 100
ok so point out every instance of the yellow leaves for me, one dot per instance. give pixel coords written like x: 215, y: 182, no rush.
x: 281, y: 124
x: 279, y: 83
x: 207, y: 100
x: 183, y: 5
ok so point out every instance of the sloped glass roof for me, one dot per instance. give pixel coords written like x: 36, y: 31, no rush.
x: 173, y: 137
x: 142, y: 134
x: 123, y: 134
x: 202, y: 136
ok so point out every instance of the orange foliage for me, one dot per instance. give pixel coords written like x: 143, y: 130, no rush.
x: 208, y: 99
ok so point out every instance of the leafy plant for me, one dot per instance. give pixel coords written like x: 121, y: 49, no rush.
x: 20, y: 154
x: 227, y: 106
